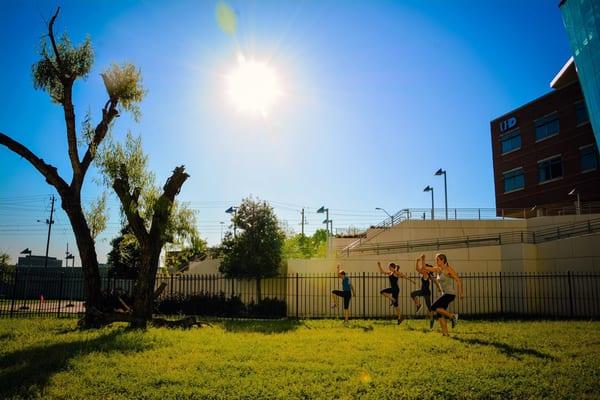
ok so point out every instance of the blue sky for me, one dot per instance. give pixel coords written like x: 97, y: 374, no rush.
x: 377, y: 97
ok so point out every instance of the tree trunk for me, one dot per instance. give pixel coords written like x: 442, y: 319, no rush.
x: 89, y: 260
x: 144, y: 288
x: 258, y: 290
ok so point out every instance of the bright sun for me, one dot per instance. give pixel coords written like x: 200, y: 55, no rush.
x: 253, y: 86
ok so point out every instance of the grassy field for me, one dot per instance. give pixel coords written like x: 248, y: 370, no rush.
x: 51, y: 359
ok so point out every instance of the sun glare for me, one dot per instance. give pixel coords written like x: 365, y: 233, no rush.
x: 253, y: 86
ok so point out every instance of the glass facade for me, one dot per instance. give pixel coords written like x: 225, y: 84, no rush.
x: 582, y: 22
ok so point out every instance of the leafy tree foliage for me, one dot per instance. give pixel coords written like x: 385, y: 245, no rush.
x: 255, y: 252
x: 302, y: 246
x: 124, y: 257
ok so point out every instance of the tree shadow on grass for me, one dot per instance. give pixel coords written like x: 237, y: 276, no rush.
x: 507, y: 349
x: 25, y: 372
x: 267, y: 327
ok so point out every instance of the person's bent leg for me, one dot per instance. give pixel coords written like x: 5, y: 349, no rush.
x: 444, y: 325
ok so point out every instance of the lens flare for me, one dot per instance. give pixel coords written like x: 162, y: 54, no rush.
x: 226, y: 18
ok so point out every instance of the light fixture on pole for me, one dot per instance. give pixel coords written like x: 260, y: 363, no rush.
x: 388, y: 214
x: 24, y: 306
x: 575, y: 192
x: 232, y: 210
x: 443, y: 172
x: 430, y: 189
x: 327, y: 221
x: 70, y: 257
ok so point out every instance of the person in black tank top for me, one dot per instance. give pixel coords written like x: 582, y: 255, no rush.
x: 393, y: 291
x: 425, y: 291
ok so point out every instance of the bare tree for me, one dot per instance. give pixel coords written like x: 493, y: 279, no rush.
x: 62, y: 64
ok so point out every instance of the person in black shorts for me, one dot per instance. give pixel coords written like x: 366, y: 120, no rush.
x: 393, y: 291
x: 425, y: 292
x: 346, y: 292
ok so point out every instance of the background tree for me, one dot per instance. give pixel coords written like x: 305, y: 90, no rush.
x: 195, y: 250
x: 60, y: 66
x: 256, y: 250
x: 124, y: 257
x: 147, y: 211
x: 302, y: 246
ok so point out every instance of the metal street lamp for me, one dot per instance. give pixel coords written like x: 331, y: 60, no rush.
x: 232, y: 210
x: 430, y: 189
x: 222, y: 223
x: 443, y: 172
x: 327, y: 221
x: 575, y: 192
x: 388, y: 214
x: 24, y: 306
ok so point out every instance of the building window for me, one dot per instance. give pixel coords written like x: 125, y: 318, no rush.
x: 510, y: 141
x: 581, y: 113
x: 550, y: 169
x: 514, y: 180
x: 588, y: 158
x: 546, y: 127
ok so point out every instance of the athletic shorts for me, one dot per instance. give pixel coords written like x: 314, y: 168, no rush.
x: 425, y: 295
x: 347, y: 295
x: 443, y: 301
x: 393, y: 292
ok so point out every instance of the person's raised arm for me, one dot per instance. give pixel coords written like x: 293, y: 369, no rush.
x: 380, y: 268
x: 404, y: 276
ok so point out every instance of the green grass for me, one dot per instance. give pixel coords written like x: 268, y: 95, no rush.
x: 51, y: 359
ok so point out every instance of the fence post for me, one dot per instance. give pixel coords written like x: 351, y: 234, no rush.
x: 570, y: 293
x: 363, y: 296
x: 171, y: 285
x: 297, y: 295
x: 60, y: 293
x: 14, y: 293
x: 501, y: 299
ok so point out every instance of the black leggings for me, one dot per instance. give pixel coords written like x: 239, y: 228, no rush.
x: 425, y: 294
x: 346, y: 294
x: 394, y: 292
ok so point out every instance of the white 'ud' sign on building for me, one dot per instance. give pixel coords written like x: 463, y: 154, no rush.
x: 508, y: 124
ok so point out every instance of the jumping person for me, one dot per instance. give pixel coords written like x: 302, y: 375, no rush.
x: 346, y: 293
x: 448, y: 280
x: 425, y: 281
x: 393, y: 291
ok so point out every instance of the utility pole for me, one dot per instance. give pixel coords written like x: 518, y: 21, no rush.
x: 49, y: 222
x: 303, y: 222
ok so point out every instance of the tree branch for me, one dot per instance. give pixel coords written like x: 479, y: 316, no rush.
x: 67, y: 102
x: 53, y: 42
x: 130, y: 207
x: 165, y: 202
x: 109, y: 112
x: 50, y: 172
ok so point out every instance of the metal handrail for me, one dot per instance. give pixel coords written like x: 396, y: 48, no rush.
x: 555, y: 232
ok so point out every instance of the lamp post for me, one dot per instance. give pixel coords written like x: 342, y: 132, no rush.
x: 24, y: 306
x: 575, y: 192
x: 430, y: 189
x: 388, y: 214
x: 327, y: 221
x: 443, y: 172
x: 232, y: 210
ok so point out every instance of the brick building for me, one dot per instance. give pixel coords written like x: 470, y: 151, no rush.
x: 545, y: 154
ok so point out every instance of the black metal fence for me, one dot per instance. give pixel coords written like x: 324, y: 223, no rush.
x: 60, y: 293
